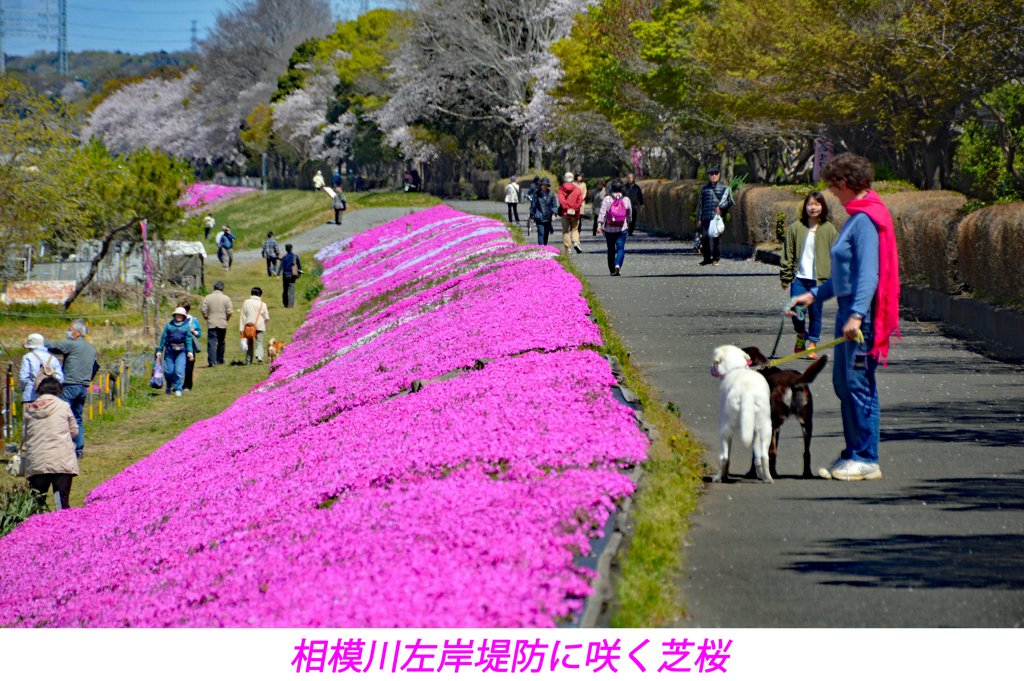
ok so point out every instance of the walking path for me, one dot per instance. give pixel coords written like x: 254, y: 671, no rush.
x: 938, y: 542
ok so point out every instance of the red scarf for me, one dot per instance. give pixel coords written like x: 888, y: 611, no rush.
x: 887, y: 297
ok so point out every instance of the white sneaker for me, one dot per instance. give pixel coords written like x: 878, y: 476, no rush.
x: 856, y: 470
x: 177, y: 393
x: 617, y: 268
x: 577, y: 247
x: 187, y: 390
x: 826, y: 473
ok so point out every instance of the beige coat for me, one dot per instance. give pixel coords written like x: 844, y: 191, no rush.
x: 50, y: 429
x: 217, y: 310
x: 254, y: 311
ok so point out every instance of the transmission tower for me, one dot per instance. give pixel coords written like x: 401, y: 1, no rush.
x: 195, y: 41
x: 62, y: 37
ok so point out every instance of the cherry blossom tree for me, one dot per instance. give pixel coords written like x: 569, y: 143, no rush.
x: 481, y: 63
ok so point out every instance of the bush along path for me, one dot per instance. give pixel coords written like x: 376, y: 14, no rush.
x: 353, y: 489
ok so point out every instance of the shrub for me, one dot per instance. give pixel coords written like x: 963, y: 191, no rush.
x: 19, y: 502
x: 990, y: 250
x: 926, y: 226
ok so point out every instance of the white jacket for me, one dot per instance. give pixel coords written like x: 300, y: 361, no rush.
x: 30, y: 365
x: 512, y: 193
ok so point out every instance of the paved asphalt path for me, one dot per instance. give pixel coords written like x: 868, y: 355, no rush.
x: 939, y: 541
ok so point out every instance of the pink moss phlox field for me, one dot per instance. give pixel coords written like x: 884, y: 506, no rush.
x: 327, y: 498
x: 199, y: 197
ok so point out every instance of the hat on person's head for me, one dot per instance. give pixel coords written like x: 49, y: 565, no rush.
x: 569, y: 177
x: 34, y: 340
x: 512, y: 179
x: 545, y: 181
x: 714, y: 171
x: 180, y: 310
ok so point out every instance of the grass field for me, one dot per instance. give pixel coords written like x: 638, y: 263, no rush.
x: 148, y: 418
x: 289, y: 212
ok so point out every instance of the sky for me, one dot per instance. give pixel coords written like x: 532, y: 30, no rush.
x: 132, y: 26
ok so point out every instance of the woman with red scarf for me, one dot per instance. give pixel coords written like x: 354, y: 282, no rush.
x: 865, y: 282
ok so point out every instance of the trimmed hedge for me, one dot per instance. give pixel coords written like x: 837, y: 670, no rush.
x: 926, y: 228
x: 669, y: 207
x: 990, y: 246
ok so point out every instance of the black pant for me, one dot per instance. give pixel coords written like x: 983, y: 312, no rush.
x: 61, y: 484
x: 513, y: 209
x: 337, y: 215
x: 215, y: 345
x: 272, y: 267
x: 190, y: 366
x: 288, y: 291
x: 710, y: 247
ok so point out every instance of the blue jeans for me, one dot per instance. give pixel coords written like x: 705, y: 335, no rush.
x: 799, y: 287
x: 853, y: 377
x: 75, y: 395
x: 174, y: 365
x: 543, y: 232
x: 616, y: 249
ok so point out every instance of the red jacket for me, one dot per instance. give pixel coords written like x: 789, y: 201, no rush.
x: 570, y: 197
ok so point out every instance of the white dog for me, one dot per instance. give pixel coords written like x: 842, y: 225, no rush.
x: 746, y: 409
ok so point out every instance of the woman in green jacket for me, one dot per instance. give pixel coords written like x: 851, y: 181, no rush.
x: 806, y: 263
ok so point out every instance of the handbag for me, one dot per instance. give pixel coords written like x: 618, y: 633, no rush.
x: 157, y: 379
x: 295, y: 269
x: 716, y: 227
x: 243, y: 344
x: 249, y: 332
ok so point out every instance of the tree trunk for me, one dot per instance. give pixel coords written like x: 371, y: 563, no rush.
x: 755, y: 166
x: 522, y: 154
x: 94, y: 266
x: 936, y: 154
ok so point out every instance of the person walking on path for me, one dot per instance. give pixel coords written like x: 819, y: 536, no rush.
x: 80, y: 368
x: 338, y: 205
x: 531, y: 191
x: 176, y: 349
x: 197, y: 333
x: 51, y: 432
x: 543, y: 208
x: 33, y: 363
x: 336, y: 181
x: 512, y: 199
x: 291, y: 268
x: 599, y: 193
x: 806, y: 263
x: 252, y: 324
x: 713, y: 201
x: 570, y: 202
x: 613, y: 221
x: 209, y: 222
x: 216, y: 309
x: 865, y: 282
x: 582, y: 186
x: 226, y: 244
x: 318, y: 180
x: 635, y: 195
x: 272, y: 254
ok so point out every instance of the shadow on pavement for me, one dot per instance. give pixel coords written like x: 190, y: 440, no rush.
x: 992, y: 423
x: 993, y: 561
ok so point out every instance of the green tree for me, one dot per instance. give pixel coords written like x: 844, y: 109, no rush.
x: 988, y: 150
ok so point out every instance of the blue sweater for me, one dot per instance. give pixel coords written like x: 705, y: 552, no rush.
x: 854, y: 258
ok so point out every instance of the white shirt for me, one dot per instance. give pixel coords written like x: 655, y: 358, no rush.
x: 806, y: 269
x: 512, y: 193
x: 30, y: 365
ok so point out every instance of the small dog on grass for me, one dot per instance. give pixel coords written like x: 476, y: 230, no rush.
x: 276, y: 347
x: 745, y: 410
x: 790, y: 397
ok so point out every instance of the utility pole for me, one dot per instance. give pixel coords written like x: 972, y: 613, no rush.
x: 195, y: 41
x: 3, y: 57
x: 62, y: 38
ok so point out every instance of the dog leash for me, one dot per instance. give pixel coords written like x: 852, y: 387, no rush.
x: 804, y: 353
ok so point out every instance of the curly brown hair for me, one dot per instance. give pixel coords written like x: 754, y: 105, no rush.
x: 853, y: 170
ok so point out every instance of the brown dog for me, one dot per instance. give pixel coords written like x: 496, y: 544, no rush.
x: 790, y: 397
x: 276, y: 347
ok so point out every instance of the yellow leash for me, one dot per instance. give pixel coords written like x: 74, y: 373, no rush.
x: 826, y: 346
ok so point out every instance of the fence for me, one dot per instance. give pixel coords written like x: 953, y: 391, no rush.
x: 107, y: 391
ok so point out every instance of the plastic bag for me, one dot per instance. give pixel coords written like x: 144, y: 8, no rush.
x: 716, y: 227
x: 157, y: 379
x: 16, y: 466
x: 243, y: 345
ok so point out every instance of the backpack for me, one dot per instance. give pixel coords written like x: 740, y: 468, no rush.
x: 45, y: 371
x: 618, y: 213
